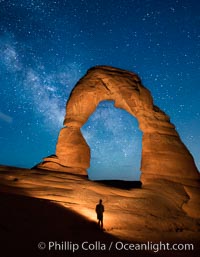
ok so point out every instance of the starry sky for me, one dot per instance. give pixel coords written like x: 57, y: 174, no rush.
x: 46, y: 46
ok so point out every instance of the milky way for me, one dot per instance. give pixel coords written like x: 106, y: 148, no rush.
x: 47, y: 46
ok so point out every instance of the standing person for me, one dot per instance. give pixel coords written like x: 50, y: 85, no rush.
x: 100, y: 211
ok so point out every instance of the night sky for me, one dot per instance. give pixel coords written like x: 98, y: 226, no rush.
x: 46, y: 46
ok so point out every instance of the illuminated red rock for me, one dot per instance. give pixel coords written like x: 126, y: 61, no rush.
x: 163, y: 153
x: 163, y: 211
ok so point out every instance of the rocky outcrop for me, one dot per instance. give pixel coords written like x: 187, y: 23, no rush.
x: 164, y: 156
x: 165, y: 211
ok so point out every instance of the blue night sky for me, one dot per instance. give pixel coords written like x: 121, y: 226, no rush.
x: 46, y: 46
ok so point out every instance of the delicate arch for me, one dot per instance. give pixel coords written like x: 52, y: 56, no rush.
x: 163, y: 153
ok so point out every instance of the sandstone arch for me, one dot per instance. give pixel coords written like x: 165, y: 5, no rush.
x: 163, y: 153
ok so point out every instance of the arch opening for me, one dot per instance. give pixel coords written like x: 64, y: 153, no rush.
x: 115, y: 143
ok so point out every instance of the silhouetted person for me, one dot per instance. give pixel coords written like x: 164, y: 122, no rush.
x: 100, y: 211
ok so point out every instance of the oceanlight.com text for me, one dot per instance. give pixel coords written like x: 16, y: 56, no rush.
x: 118, y: 246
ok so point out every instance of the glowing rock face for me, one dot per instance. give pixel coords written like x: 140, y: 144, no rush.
x: 163, y: 153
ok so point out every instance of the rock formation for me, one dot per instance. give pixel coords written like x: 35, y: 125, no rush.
x: 164, y: 156
x: 164, y: 212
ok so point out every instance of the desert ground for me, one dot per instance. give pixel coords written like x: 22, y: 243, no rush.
x: 49, y: 206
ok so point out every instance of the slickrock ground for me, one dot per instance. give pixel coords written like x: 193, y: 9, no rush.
x: 39, y: 205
